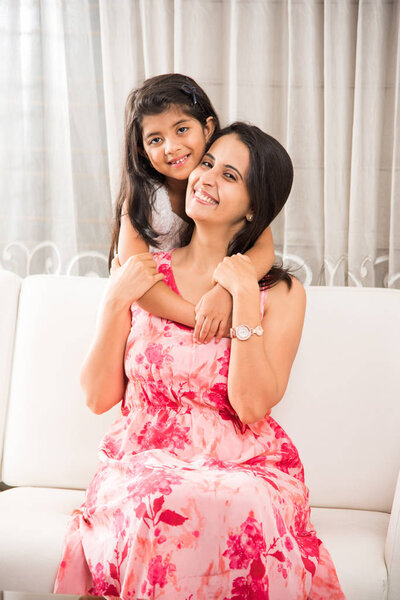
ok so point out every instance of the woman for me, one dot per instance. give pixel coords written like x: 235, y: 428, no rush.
x: 199, y: 493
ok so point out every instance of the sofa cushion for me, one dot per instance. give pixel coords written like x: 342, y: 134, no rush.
x: 33, y: 523
x: 356, y: 541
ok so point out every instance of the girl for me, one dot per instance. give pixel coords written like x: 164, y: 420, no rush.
x: 168, y: 123
x: 199, y: 493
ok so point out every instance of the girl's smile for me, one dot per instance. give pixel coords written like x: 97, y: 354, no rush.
x: 179, y: 162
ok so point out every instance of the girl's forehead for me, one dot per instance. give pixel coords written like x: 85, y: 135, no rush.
x: 170, y: 117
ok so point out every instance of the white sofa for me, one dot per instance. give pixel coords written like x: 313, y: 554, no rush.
x: 342, y: 409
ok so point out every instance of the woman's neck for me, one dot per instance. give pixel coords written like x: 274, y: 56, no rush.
x: 205, y: 251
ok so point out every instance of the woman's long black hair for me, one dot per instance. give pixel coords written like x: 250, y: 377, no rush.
x: 269, y: 181
x: 139, y: 180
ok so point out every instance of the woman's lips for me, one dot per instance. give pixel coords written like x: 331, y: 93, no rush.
x: 204, y: 198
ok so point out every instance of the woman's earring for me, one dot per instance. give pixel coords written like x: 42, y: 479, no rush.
x: 249, y: 217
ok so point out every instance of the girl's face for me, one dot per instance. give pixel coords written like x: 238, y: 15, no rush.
x: 175, y: 142
x: 216, y: 190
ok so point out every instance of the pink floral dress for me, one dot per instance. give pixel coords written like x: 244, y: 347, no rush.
x: 188, y: 502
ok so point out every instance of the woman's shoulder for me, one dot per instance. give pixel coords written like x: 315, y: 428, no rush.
x: 282, y: 297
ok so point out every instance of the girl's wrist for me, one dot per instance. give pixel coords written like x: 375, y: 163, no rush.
x: 220, y: 288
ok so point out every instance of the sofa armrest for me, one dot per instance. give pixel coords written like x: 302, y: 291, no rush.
x: 392, y: 547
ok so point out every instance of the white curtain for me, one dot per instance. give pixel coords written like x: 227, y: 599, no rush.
x: 55, y: 203
x: 322, y: 77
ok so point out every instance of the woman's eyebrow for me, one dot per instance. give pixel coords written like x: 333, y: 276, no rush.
x: 228, y: 166
x: 172, y: 126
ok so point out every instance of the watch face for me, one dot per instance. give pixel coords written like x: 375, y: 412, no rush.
x: 243, y: 332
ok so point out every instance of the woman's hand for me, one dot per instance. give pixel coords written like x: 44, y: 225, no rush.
x: 213, y: 315
x: 236, y: 273
x: 134, y: 278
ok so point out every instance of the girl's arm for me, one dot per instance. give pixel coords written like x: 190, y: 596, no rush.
x: 102, y: 373
x: 262, y: 254
x: 214, y: 310
x: 259, y: 367
x: 160, y: 300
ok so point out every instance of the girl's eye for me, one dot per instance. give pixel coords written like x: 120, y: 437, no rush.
x: 206, y: 163
x: 182, y: 129
x: 155, y: 140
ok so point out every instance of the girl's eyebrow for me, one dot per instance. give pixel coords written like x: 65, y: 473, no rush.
x: 228, y: 166
x: 172, y: 126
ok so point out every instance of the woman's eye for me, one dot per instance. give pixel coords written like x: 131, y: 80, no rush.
x: 230, y: 176
x: 155, y: 140
x: 206, y: 163
x: 182, y: 129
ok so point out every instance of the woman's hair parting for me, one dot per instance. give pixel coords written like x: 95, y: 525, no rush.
x: 139, y: 180
x: 269, y: 180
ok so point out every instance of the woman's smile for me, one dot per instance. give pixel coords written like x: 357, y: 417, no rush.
x: 203, y: 197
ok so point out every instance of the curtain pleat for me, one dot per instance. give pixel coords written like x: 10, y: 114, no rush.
x: 393, y: 129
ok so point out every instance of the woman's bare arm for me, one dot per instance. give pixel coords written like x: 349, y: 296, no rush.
x: 260, y: 366
x: 102, y: 374
x: 160, y: 300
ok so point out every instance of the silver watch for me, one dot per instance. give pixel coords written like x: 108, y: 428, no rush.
x: 244, y: 332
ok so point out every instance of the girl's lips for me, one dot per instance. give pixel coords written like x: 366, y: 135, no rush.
x: 179, y: 162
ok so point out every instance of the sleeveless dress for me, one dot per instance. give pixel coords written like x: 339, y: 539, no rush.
x: 188, y: 503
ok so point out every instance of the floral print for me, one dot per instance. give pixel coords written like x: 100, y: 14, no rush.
x: 188, y: 502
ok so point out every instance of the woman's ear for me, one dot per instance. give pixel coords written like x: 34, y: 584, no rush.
x: 209, y: 128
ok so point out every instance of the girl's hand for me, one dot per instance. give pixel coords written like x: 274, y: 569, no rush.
x: 236, y: 273
x: 213, y: 315
x: 134, y: 278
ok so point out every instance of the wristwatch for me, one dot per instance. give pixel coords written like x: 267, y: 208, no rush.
x: 244, y: 332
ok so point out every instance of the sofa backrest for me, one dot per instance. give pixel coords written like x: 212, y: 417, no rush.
x: 10, y: 285
x: 51, y: 436
x: 341, y: 407
x: 342, y: 404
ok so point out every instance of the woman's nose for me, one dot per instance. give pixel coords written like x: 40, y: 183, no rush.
x: 207, y: 177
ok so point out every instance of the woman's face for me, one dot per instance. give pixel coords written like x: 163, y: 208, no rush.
x: 217, y: 191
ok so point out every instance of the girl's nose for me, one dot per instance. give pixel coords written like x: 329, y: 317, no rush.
x: 172, y: 145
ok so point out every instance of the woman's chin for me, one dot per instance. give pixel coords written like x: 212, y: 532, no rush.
x: 201, y: 212
x: 199, y: 216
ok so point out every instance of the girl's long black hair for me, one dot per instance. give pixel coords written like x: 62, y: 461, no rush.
x: 139, y: 180
x: 269, y: 181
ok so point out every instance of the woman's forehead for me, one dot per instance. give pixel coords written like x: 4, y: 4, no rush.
x: 230, y: 150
